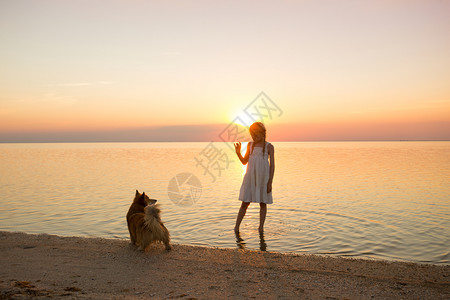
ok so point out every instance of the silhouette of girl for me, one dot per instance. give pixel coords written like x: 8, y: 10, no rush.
x: 257, y: 184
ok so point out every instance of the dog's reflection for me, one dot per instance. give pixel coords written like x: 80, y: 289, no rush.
x: 241, y: 243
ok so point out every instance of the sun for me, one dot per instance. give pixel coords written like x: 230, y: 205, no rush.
x: 240, y: 118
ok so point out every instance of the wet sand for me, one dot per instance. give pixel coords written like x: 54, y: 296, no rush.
x: 48, y: 266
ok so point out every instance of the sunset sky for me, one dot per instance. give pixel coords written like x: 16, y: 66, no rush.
x: 182, y: 70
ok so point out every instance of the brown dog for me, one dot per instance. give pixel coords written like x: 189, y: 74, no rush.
x: 144, y: 223
x: 139, y: 203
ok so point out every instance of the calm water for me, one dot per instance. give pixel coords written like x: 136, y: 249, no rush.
x: 381, y: 200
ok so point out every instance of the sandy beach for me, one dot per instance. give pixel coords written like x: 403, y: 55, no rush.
x: 48, y: 266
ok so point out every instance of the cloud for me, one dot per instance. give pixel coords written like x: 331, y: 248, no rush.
x: 171, y: 53
x: 369, y: 131
x: 181, y: 133
x: 77, y: 84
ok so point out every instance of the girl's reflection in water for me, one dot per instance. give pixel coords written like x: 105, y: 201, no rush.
x: 241, y: 243
x: 262, y: 242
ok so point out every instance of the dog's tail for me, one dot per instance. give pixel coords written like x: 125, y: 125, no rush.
x: 155, y: 226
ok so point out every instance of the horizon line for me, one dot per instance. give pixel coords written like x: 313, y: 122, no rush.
x: 274, y: 141
x: 294, y: 132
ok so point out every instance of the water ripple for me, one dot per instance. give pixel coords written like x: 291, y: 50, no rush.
x: 372, y: 200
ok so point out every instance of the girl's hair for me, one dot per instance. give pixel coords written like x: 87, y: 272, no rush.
x: 258, y: 128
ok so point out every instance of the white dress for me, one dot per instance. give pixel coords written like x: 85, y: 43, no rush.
x: 254, y: 185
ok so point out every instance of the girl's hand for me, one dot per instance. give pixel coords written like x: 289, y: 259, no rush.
x: 237, y: 147
x: 269, y: 187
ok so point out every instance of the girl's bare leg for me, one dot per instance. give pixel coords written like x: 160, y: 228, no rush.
x: 262, y: 216
x: 241, y: 215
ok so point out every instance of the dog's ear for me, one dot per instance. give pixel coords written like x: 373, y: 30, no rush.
x: 137, y: 193
x: 143, y: 194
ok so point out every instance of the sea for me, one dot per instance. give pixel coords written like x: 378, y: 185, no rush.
x: 372, y: 200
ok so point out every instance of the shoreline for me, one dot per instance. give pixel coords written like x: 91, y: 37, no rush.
x: 50, y: 266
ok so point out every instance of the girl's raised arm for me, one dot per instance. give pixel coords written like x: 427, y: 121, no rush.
x: 237, y: 147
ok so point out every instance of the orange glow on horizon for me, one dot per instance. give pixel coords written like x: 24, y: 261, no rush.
x: 336, y: 73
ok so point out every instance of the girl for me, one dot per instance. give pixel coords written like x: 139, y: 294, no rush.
x: 257, y: 183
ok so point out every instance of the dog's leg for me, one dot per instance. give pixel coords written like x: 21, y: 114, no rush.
x: 166, y: 242
x: 166, y: 239
x: 168, y: 247
x: 133, y: 239
x: 132, y: 235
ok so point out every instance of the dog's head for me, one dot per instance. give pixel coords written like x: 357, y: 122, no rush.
x: 144, y: 199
